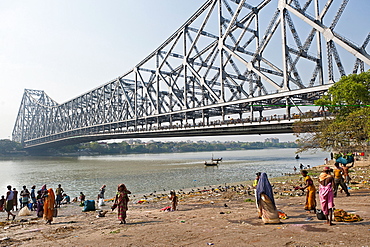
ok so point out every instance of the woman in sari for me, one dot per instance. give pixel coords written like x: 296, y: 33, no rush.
x: 326, y: 194
x: 121, y: 202
x: 49, y: 203
x: 265, y: 200
x: 40, y: 204
x: 311, y: 192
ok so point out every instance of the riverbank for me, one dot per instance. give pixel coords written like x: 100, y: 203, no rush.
x: 222, y: 216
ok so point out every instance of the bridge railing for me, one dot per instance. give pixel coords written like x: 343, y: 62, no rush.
x: 120, y: 133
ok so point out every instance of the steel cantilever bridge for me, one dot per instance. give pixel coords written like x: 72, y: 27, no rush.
x: 221, y: 73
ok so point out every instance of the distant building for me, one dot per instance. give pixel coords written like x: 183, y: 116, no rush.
x: 272, y: 140
x: 134, y: 142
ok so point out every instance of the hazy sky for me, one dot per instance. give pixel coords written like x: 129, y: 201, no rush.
x: 67, y: 48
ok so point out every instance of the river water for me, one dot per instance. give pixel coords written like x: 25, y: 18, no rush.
x: 145, y: 173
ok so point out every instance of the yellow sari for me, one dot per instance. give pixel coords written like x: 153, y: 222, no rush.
x: 311, y: 195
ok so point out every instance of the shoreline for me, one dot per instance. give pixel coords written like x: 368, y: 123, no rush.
x: 220, y: 217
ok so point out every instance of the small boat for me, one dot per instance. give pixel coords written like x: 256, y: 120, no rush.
x: 213, y: 163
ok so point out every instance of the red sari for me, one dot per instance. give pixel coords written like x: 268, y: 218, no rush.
x: 121, y: 202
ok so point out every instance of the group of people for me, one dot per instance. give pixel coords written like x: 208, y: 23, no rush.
x: 44, y: 201
x: 24, y: 199
x: 328, y: 188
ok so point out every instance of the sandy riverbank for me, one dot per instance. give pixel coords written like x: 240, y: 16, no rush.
x: 203, y: 219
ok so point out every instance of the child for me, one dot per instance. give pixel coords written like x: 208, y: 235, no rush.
x: 2, y: 203
x: 174, y: 199
x: 82, y: 198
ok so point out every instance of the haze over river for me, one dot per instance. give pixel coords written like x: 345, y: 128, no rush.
x: 145, y: 173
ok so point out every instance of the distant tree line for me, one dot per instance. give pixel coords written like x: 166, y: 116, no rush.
x: 8, y: 147
x: 168, y: 147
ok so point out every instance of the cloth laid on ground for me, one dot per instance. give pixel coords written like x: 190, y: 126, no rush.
x: 168, y: 208
x: 282, y: 215
x: 341, y: 215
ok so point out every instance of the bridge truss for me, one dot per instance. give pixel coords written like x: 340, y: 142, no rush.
x: 226, y: 61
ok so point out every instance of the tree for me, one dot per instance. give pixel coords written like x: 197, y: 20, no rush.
x: 7, y: 146
x: 348, y: 128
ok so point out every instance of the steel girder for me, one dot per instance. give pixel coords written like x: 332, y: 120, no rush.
x: 224, y: 60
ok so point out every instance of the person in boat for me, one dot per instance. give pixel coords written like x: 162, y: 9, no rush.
x: 311, y: 192
x: 265, y: 199
x: 121, y: 200
x: 326, y: 194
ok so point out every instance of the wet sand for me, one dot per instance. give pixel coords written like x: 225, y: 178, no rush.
x: 204, y: 217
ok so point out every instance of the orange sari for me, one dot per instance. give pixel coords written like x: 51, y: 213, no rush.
x: 49, y: 205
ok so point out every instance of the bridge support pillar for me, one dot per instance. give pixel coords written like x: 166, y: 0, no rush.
x: 251, y: 112
x: 287, y: 108
x: 186, y: 119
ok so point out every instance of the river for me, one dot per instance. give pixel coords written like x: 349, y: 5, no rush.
x: 145, y: 173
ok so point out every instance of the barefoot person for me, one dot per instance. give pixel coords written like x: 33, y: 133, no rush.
x: 311, y: 192
x: 326, y: 194
x: 9, y: 202
x: 15, y: 199
x: 265, y: 200
x: 174, y: 200
x: 345, y: 169
x: 338, y: 180
x: 59, y: 195
x: 25, y: 197
x: 101, y: 192
x: 121, y: 202
x: 49, y: 203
